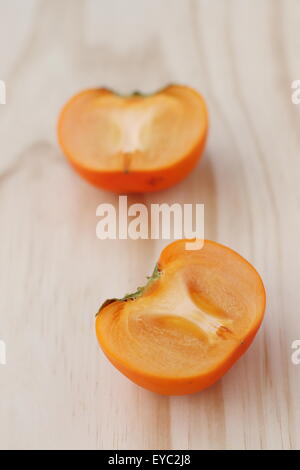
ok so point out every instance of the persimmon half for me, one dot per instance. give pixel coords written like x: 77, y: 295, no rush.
x: 196, y: 316
x: 137, y: 143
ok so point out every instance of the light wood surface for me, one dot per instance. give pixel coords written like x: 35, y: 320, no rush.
x: 57, y: 390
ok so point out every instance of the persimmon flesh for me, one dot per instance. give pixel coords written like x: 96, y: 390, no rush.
x: 196, y: 316
x: 135, y: 143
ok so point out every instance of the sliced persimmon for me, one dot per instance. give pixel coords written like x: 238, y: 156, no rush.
x: 196, y: 316
x: 135, y: 143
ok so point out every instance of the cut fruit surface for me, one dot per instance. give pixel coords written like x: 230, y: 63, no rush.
x: 191, y: 322
x: 136, y: 143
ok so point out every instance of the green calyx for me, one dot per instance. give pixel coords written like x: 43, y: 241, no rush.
x: 138, y: 92
x: 139, y: 292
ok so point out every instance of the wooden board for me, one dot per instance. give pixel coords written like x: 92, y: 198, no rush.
x: 57, y: 390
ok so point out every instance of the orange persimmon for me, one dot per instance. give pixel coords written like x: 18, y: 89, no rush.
x: 196, y: 316
x: 135, y: 143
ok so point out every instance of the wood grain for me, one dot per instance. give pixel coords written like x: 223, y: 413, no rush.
x: 57, y: 390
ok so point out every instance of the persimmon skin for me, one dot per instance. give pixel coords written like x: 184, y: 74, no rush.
x: 144, y: 180
x: 173, y: 385
x: 180, y: 386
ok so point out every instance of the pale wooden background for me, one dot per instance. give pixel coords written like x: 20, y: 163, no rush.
x: 57, y: 390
